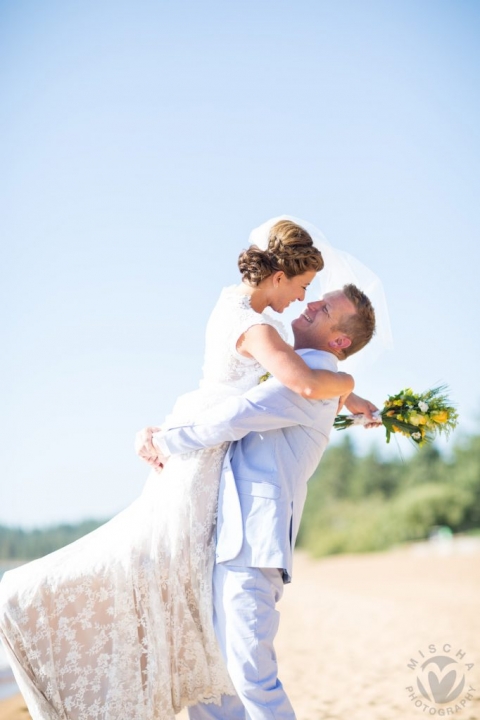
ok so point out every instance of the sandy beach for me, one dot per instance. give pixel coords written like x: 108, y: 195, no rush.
x: 351, y: 626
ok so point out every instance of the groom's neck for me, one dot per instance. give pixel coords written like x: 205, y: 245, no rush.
x: 310, y: 346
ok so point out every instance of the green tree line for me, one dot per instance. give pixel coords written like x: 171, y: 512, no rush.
x: 19, y: 544
x: 354, y: 504
x: 362, y: 504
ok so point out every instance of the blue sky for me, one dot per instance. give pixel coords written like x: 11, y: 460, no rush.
x: 140, y: 142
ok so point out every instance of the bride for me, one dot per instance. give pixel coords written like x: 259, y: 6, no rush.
x: 118, y: 625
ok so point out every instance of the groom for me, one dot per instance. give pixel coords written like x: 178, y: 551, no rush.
x: 278, y: 439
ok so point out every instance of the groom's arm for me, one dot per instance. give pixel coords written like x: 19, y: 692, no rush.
x: 233, y: 419
x: 268, y: 406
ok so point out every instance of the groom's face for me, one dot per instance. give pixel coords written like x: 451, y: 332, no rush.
x: 317, y: 326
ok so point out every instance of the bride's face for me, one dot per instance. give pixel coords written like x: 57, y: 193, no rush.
x: 286, y: 290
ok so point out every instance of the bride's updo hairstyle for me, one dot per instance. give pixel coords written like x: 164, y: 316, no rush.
x: 290, y: 249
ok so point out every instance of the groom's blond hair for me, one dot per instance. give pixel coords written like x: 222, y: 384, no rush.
x: 359, y: 327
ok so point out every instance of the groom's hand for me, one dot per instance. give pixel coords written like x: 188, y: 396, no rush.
x: 146, y: 450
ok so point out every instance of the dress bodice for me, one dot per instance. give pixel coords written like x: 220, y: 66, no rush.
x: 225, y: 371
x: 230, y: 318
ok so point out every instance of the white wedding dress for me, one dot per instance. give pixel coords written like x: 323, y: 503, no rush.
x: 118, y: 625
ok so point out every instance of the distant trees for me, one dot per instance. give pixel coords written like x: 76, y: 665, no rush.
x: 359, y: 504
x: 18, y: 544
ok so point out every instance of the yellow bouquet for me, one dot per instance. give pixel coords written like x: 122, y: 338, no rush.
x: 419, y: 417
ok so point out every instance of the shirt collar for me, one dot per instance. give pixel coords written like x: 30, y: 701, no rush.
x: 330, y: 357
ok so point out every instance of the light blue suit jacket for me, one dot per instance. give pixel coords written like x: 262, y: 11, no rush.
x: 278, y: 439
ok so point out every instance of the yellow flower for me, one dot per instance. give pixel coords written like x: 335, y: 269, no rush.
x: 439, y: 417
x: 390, y: 413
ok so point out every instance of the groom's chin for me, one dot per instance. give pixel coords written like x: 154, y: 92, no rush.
x: 296, y: 329
x: 298, y: 323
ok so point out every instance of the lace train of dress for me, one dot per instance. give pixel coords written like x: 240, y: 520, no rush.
x: 118, y: 625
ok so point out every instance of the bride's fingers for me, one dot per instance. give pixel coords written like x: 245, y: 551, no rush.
x: 141, y: 438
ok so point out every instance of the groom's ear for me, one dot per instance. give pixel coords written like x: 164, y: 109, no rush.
x: 342, y: 342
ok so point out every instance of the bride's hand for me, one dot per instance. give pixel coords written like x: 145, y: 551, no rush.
x: 145, y: 448
x: 360, y: 406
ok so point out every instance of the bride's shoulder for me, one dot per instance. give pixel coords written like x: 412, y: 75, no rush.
x: 269, y: 319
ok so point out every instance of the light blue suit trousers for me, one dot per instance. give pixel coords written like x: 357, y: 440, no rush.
x: 246, y: 623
